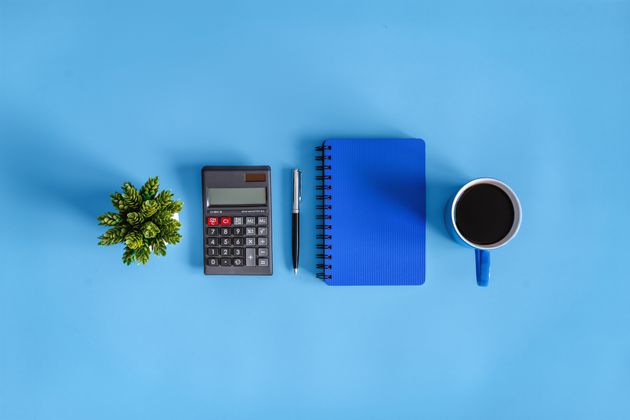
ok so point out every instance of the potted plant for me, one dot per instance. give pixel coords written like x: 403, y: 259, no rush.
x: 146, y: 221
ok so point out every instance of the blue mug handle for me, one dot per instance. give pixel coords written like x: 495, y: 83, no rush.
x: 482, y: 261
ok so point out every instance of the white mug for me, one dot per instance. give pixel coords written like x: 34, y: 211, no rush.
x: 482, y: 248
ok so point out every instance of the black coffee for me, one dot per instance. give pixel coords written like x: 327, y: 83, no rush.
x: 484, y: 214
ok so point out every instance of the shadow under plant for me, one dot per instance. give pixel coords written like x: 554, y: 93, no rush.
x: 47, y: 171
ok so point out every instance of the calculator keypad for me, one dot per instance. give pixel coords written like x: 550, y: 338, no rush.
x: 237, y: 241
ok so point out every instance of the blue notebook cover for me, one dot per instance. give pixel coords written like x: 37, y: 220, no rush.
x: 373, y: 211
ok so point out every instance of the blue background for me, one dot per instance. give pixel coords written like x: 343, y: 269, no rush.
x: 97, y: 93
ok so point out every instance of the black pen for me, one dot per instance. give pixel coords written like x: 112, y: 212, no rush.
x: 295, y: 218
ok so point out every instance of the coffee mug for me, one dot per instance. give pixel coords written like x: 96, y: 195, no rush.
x: 485, y: 214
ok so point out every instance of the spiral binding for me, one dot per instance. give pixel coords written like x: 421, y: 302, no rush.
x: 324, y: 197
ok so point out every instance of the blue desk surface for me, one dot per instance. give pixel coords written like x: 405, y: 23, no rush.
x: 96, y: 93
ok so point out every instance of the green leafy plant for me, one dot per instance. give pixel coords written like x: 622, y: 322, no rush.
x: 144, y: 221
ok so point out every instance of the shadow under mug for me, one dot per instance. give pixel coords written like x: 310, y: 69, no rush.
x: 482, y: 251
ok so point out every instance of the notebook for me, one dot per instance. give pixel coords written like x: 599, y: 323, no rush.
x: 372, y: 211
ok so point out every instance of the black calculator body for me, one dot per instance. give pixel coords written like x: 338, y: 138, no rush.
x: 237, y: 220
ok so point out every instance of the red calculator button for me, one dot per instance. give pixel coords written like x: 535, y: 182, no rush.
x: 226, y: 221
x: 213, y: 221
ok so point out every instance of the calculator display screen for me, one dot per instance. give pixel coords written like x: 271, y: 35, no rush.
x: 237, y: 196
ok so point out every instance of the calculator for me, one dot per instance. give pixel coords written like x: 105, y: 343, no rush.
x: 237, y: 220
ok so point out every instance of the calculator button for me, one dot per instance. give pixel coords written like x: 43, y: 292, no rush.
x: 212, y: 241
x: 213, y: 261
x: 250, y: 231
x: 237, y: 231
x: 226, y: 221
x: 237, y: 241
x: 213, y: 221
x: 225, y: 252
x: 212, y: 252
x: 262, y: 241
x: 262, y: 220
x: 250, y: 257
x: 226, y: 261
x: 250, y: 220
x: 238, y: 262
x: 263, y: 262
x: 226, y: 242
x: 212, y: 231
x: 250, y: 241
x: 237, y: 221
x: 263, y: 252
x: 237, y: 252
x: 225, y: 231
x: 262, y: 230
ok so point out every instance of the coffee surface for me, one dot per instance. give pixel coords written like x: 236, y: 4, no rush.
x: 484, y: 214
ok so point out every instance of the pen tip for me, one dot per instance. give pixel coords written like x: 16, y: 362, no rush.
x: 295, y: 271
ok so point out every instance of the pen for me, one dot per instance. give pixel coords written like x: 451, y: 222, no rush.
x: 295, y: 218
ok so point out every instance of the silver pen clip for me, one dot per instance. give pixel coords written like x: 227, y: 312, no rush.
x: 300, y: 180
